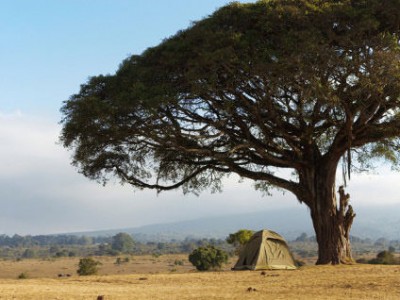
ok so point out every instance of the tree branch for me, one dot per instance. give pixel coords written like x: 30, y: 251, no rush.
x: 141, y: 184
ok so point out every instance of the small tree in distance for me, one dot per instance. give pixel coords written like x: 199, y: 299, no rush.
x: 122, y: 242
x: 239, y: 239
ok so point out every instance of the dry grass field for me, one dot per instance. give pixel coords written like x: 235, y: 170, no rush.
x: 36, y: 268
x: 159, y: 278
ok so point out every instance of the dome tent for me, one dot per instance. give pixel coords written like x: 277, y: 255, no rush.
x: 265, y: 250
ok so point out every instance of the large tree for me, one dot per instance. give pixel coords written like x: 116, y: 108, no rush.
x: 279, y: 91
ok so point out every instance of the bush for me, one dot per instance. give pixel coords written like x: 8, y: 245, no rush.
x: 299, y: 263
x: 88, y: 266
x: 121, y: 260
x: 71, y: 254
x: 118, y: 261
x: 178, y: 262
x: 384, y: 258
x: 22, y: 276
x: 28, y: 253
x: 362, y: 261
x: 208, y: 258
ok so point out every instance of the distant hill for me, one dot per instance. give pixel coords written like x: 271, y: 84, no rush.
x: 371, y: 222
x: 377, y: 221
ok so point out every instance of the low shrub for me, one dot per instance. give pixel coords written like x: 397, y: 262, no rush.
x: 208, y: 258
x: 384, y: 258
x: 362, y: 260
x: 23, y: 275
x: 88, y: 266
x: 178, y: 262
x: 299, y: 263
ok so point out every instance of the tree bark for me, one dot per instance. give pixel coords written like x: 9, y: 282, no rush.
x: 332, y: 226
x: 332, y: 218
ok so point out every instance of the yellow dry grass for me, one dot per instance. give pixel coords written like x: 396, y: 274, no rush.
x: 36, y: 268
x: 312, y: 282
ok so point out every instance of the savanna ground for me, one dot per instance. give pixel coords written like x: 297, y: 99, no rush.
x: 151, y: 277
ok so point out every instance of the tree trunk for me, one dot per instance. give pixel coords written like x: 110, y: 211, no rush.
x: 332, y: 219
x: 332, y: 227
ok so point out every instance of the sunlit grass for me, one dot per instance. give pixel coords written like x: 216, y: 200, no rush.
x: 311, y: 282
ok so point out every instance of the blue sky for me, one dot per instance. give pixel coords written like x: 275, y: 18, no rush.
x: 47, y: 49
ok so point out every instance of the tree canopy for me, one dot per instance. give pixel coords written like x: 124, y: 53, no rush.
x: 239, y: 239
x: 252, y: 89
x: 122, y: 242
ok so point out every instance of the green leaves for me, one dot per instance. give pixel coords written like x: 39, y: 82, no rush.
x: 251, y: 89
x: 239, y: 239
x: 208, y: 258
x: 88, y: 266
x: 122, y: 242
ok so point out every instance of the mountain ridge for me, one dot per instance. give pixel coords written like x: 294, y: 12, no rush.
x: 371, y: 222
